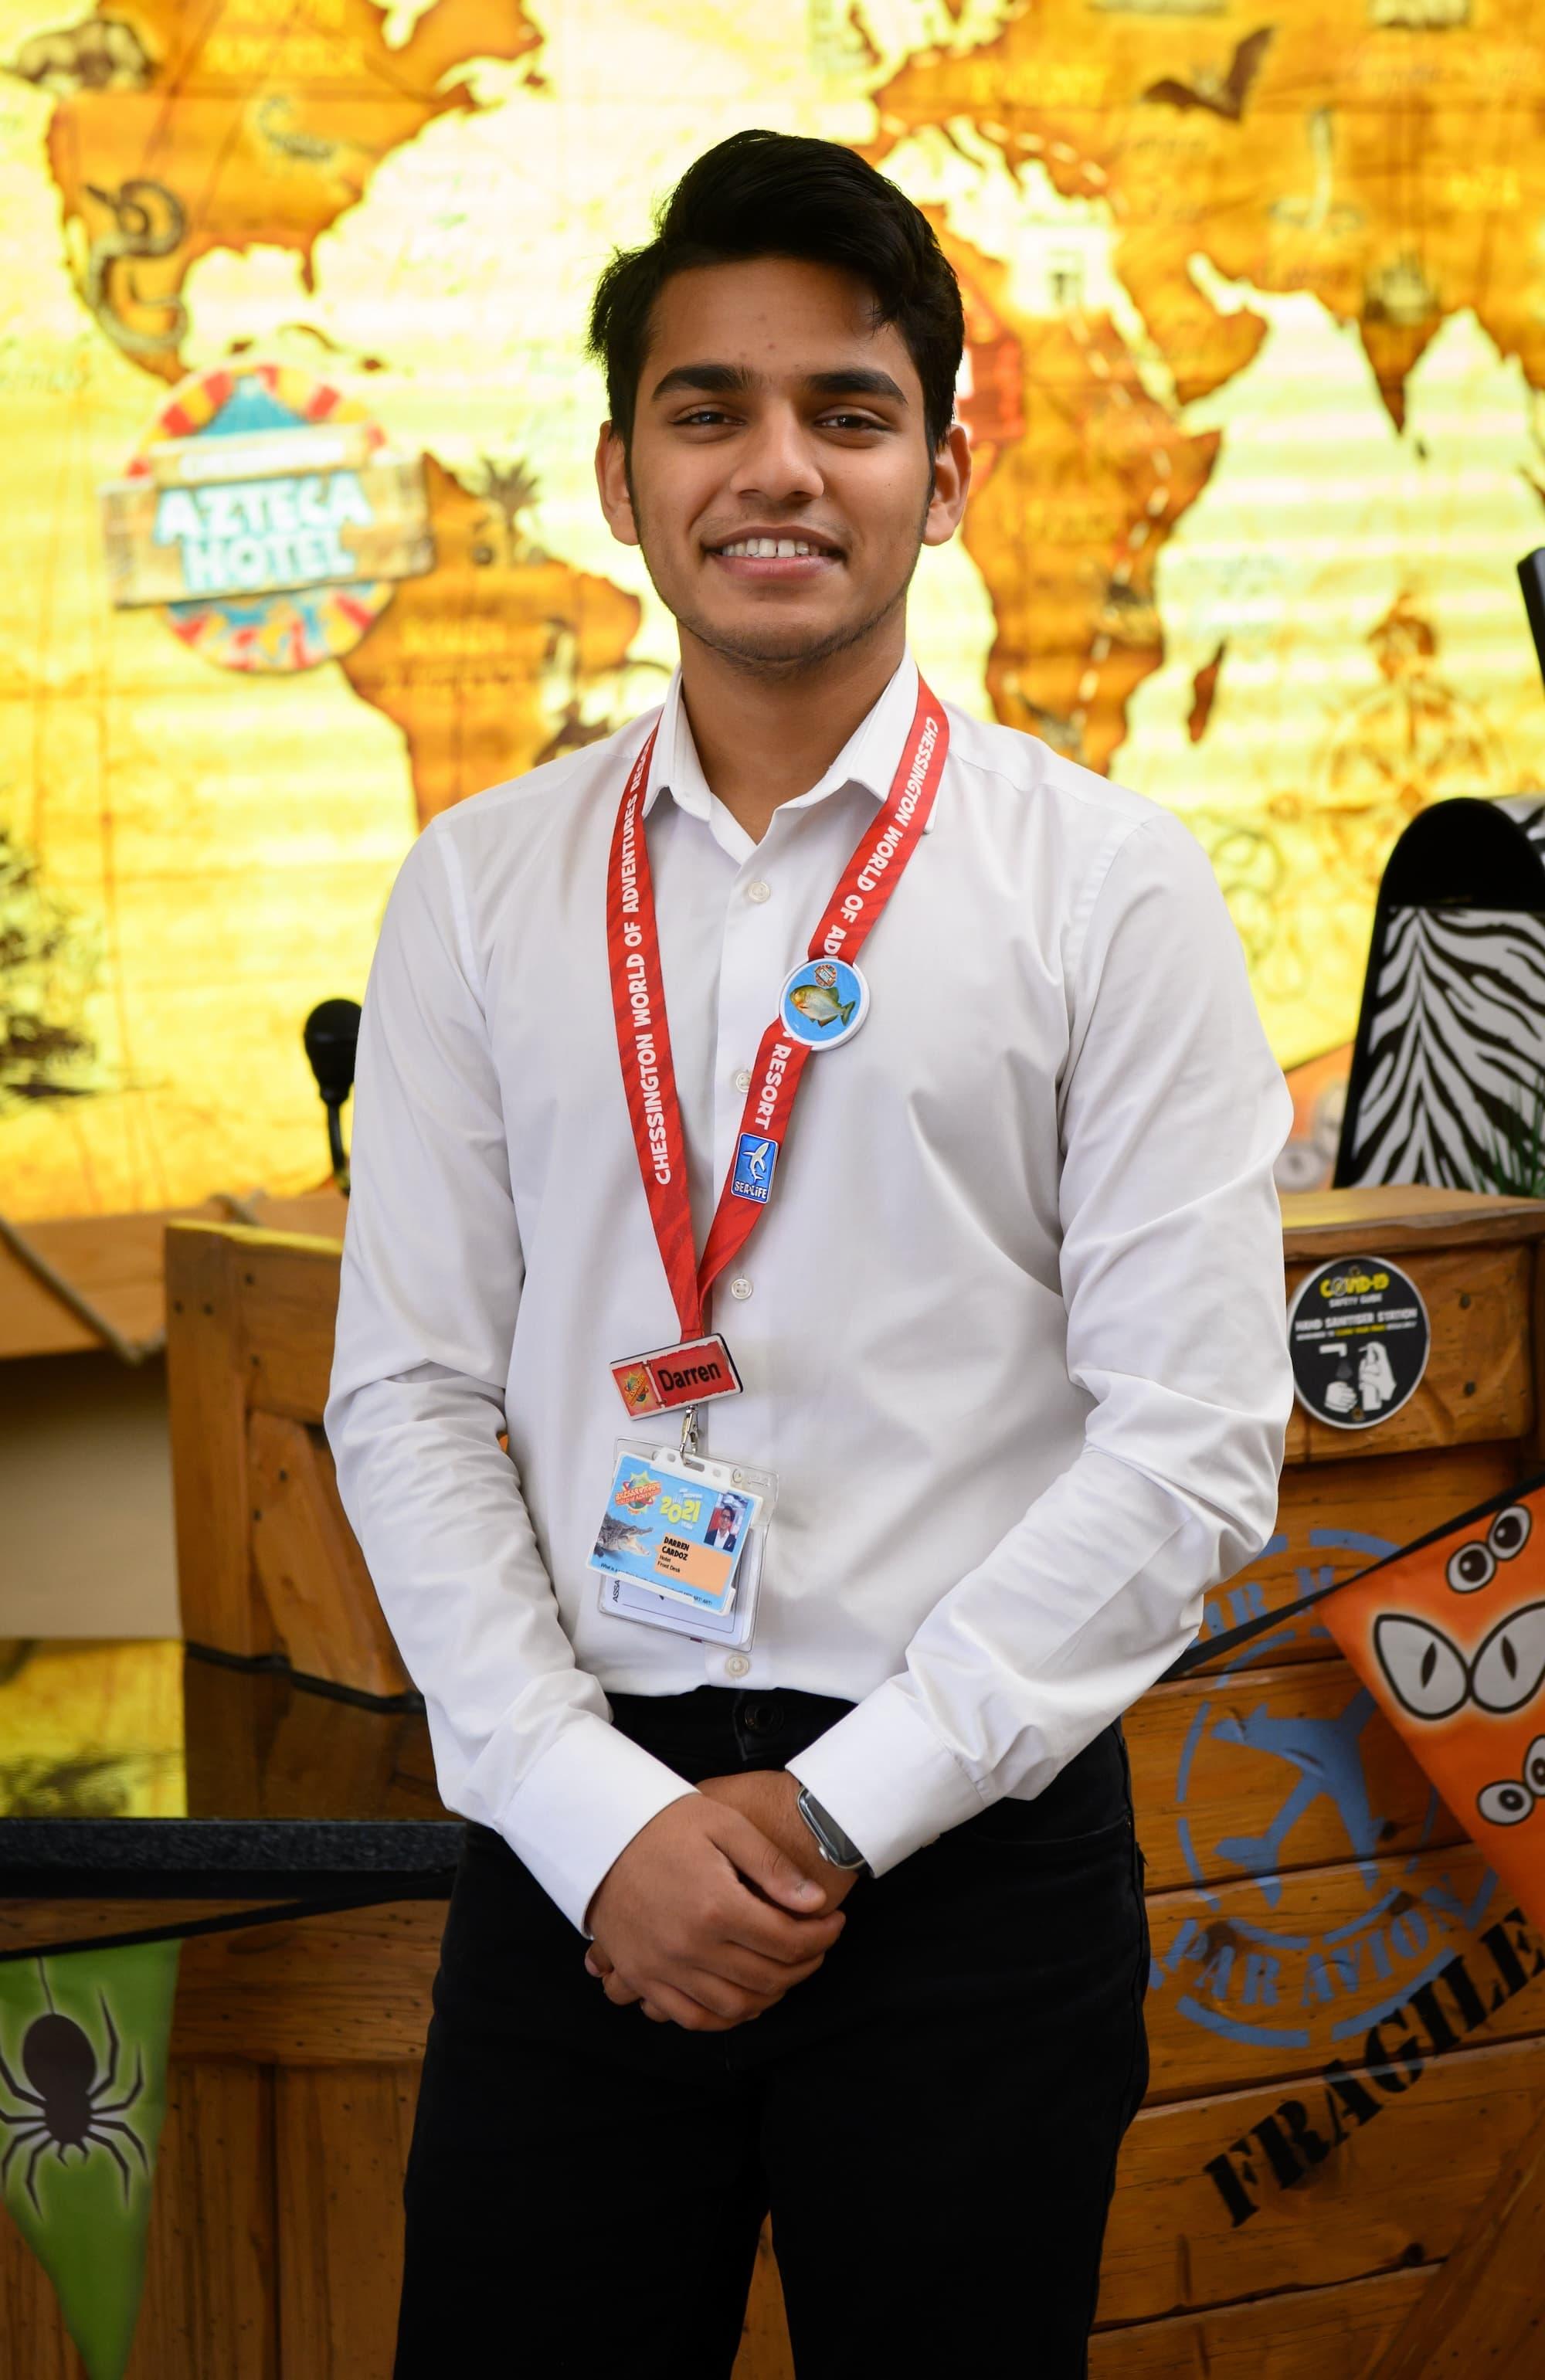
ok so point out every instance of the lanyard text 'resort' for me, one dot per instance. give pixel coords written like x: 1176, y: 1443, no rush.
x: 867, y: 882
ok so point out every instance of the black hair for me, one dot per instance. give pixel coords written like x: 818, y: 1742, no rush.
x: 781, y: 194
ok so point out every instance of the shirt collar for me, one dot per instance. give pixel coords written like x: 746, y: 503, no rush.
x: 869, y: 757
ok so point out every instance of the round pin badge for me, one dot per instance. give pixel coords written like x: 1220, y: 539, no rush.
x: 823, y: 1002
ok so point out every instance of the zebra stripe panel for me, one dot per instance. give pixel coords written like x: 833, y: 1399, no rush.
x: 1456, y: 1051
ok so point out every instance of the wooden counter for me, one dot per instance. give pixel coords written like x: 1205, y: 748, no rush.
x: 1347, y: 2024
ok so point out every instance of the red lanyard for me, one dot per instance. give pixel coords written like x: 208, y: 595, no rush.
x: 867, y: 882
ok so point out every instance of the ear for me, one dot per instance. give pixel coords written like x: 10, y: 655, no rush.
x: 952, y: 485
x: 611, y: 480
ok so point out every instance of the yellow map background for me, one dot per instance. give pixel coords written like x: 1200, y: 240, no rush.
x: 1257, y: 341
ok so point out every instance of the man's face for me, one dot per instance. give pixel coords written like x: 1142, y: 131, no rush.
x: 780, y: 480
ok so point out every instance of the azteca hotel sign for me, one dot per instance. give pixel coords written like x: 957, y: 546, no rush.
x: 266, y: 518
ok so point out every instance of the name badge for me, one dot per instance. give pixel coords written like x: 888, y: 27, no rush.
x: 680, y: 1532
x: 689, y: 1374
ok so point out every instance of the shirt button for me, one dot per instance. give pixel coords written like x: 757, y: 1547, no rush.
x: 743, y: 1078
x: 759, y: 890
x: 740, y: 1287
x: 736, y: 1665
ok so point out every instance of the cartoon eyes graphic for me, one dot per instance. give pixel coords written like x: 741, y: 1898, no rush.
x: 1505, y: 1803
x: 1475, y: 1565
x: 1432, y: 1678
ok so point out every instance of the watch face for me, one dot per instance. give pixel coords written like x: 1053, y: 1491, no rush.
x: 835, y: 1846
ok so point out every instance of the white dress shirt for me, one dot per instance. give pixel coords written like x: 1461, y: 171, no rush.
x: 1011, y: 1329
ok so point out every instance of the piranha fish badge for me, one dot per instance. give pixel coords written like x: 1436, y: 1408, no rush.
x: 823, y: 1002
x: 1450, y: 1636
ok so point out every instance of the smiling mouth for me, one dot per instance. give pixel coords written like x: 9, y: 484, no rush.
x: 775, y: 548
x: 772, y: 558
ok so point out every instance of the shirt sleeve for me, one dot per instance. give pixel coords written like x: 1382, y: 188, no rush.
x: 430, y: 1292
x: 1173, y: 1112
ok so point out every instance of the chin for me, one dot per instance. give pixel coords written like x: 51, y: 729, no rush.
x: 763, y: 643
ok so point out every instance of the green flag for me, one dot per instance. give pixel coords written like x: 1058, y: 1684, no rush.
x: 82, y: 2093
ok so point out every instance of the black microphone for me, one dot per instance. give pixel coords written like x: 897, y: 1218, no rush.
x: 1531, y: 579
x: 332, y: 1034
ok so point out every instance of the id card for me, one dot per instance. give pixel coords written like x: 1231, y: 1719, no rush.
x: 680, y: 1541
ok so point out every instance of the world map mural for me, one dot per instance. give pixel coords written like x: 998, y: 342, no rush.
x: 301, y: 542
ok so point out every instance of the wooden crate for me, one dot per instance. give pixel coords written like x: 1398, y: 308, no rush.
x: 1340, y: 2170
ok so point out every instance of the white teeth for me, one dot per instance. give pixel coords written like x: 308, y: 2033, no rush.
x: 767, y: 549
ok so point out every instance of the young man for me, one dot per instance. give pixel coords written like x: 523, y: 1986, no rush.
x: 812, y: 1028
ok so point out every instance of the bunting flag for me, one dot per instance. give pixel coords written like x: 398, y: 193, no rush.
x: 83, y: 2043
x: 1450, y: 1636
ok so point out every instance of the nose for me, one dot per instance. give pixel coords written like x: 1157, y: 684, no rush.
x: 778, y: 461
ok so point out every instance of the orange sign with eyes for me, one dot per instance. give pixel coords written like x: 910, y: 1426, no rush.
x: 1450, y: 1636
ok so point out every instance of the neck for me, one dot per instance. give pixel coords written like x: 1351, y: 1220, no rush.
x: 764, y: 735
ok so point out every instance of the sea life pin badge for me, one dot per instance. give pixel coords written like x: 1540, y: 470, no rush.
x: 823, y: 1002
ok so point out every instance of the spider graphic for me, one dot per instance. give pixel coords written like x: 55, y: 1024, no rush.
x: 73, y: 2110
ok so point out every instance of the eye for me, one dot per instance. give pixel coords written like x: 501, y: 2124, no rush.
x: 1509, y: 1533
x: 1474, y: 1565
x: 1426, y: 1674
x: 1504, y: 1804
x: 1510, y: 1665
x: 1534, y: 1767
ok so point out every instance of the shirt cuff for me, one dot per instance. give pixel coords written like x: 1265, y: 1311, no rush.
x: 582, y: 1803
x: 882, y: 1774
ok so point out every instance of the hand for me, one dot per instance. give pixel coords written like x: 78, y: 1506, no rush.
x: 696, y: 1917
x: 768, y: 1797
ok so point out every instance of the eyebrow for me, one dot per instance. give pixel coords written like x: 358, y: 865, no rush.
x: 734, y: 380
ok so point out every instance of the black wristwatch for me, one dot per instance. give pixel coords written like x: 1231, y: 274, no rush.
x: 838, y: 1849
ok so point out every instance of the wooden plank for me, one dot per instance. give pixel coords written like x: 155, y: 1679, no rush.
x: 309, y: 1567
x: 1247, y: 1988
x: 211, y: 2256
x: 341, y: 2138
x: 1334, y: 1518
x: 1296, y: 2334
x: 1407, y: 1215
x: 28, y: 1923
x: 207, y: 1416
x: 35, y: 2344
x: 1485, y: 2311
x: 116, y: 1261
x: 1478, y: 1383
x: 1262, y: 1771
x: 350, y: 1988
x: 1387, y: 2166
x: 260, y: 1745
x: 1533, y: 1449
x: 288, y: 1287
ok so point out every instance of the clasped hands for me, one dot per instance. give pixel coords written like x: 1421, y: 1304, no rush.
x: 718, y: 1906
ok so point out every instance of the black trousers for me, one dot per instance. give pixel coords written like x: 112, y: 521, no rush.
x: 933, y: 2118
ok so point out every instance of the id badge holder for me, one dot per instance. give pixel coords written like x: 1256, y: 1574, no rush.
x: 681, y: 1541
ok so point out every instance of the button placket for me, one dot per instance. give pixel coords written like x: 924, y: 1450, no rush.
x: 749, y: 974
